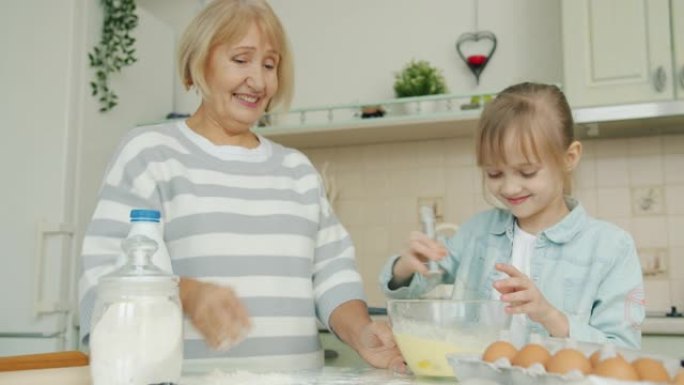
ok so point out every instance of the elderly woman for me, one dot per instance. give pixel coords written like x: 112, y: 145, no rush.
x: 246, y: 222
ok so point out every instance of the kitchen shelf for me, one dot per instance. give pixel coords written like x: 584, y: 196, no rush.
x: 630, y: 120
x: 342, y: 125
x: 406, y: 119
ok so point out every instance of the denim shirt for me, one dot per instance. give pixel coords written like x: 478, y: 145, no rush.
x: 585, y: 267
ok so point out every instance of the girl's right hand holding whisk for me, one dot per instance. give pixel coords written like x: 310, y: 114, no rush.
x: 420, y: 250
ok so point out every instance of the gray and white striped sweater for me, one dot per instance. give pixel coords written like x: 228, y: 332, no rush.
x: 255, y: 220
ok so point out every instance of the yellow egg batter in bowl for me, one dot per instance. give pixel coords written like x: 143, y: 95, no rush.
x: 426, y: 330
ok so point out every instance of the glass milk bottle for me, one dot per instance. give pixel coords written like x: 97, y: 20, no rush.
x: 146, y: 222
x: 137, y: 332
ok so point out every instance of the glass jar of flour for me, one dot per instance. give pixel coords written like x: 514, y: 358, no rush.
x: 137, y: 334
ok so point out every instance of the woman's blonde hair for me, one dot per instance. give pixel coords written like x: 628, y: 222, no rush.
x: 226, y: 22
x: 535, y: 119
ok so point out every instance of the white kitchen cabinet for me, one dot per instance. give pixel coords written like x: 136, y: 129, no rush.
x: 677, y: 9
x: 669, y: 345
x: 617, y: 51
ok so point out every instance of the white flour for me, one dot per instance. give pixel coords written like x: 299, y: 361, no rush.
x: 137, y: 343
x: 327, y: 376
x: 250, y: 378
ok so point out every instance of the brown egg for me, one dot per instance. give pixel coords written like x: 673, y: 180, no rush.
x: 498, y: 350
x: 616, y: 367
x: 531, y: 354
x: 595, y: 358
x: 649, y: 369
x: 567, y: 360
x: 679, y: 378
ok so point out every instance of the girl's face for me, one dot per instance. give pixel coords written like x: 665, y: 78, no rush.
x: 241, y: 78
x: 532, y: 190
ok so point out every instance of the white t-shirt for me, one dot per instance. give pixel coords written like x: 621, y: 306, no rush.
x: 260, y: 153
x: 523, y: 248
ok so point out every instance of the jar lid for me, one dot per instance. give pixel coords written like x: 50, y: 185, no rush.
x: 143, y: 279
x: 139, y: 267
x: 138, y: 284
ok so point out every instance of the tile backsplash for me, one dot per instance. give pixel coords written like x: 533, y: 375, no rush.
x: 636, y: 183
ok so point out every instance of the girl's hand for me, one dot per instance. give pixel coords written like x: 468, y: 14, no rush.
x: 215, y: 311
x: 524, y: 297
x: 420, y: 250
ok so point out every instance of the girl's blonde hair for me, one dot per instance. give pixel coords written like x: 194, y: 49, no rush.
x: 536, y: 119
x: 226, y: 22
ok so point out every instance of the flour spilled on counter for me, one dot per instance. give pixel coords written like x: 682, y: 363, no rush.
x: 242, y: 377
x: 327, y: 375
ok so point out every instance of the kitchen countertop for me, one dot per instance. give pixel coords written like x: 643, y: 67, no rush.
x: 326, y: 376
x: 663, y: 326
x: 78, y: 375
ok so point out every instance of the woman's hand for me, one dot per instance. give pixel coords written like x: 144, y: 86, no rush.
x: 378, y: 348
x: 420, y: 249
x: 524, y: 297
x: 373, y: 340
x: 215, y: 311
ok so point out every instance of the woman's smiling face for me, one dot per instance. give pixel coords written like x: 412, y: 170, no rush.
x: 241, y: 80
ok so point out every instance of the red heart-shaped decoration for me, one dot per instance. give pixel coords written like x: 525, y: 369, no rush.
x: 476, y: 62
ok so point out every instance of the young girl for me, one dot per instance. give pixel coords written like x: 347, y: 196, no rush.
x: 561, y: 272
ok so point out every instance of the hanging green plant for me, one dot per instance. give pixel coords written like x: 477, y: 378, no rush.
x: 115, y: 49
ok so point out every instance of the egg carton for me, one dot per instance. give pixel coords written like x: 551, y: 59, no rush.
x: 468, y: 366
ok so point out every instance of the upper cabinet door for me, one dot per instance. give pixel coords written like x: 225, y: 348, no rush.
x: 617, y: 51
x: 677, y: 10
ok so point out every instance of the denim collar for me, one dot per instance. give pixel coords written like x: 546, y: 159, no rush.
x: 561, y: 232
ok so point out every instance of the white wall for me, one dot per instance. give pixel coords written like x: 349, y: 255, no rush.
x: 348, y: 51
x: 55, y: 141
x: 145, y: 92
x: 39, y: 75
x: 36, y: 111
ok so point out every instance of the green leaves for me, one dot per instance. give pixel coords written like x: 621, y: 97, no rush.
x: 419, y: 78
x: 115, y: 49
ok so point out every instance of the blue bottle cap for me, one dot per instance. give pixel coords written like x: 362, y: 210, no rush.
x: 138, y: 215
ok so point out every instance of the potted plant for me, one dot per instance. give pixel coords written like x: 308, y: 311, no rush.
x: 419, y: 78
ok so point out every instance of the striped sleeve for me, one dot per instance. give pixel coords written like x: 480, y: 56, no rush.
x: 336, y: 279
x: 126, y: 186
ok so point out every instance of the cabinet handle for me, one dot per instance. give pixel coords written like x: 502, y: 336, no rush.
x: 45, y: 230
x: 681, y: 77
x: 660, y: 79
